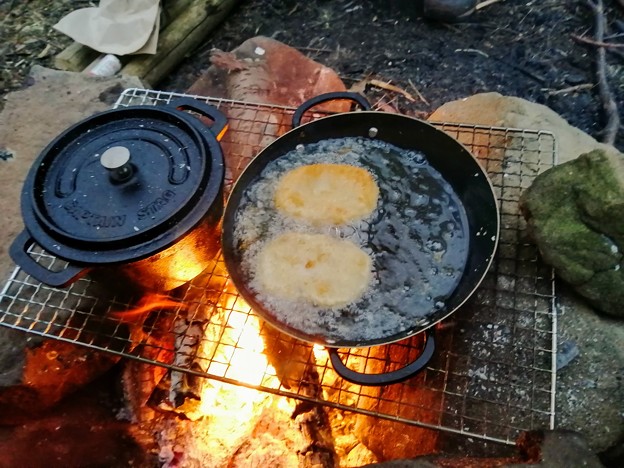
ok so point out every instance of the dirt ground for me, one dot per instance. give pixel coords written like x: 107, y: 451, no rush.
x: 520, y: 48
x: 514, y: 47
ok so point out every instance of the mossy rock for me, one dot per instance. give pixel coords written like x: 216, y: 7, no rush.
x: 575, y: 214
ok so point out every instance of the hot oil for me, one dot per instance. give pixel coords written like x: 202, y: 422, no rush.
x: 417, y: 238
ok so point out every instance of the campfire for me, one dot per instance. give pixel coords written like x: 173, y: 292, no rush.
x: 195, y: 371
x: 218, y: 385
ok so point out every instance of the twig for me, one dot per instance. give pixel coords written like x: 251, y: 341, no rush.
x: 593, y: 42
x: 422, y: 98
x: 390, y: 87
x: 570, y: 89
x: 486, y: 3
x: 313, y: 49
x: 614, y: 49
x: 606, y: 96
x: 473, y: 51
x: 384, y: 106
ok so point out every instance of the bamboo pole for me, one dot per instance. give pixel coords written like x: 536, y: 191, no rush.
x: 76, y: 57
x: 183, y: 35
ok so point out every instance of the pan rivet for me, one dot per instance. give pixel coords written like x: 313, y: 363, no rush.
x: 372, y: 132
x: 300, y: 147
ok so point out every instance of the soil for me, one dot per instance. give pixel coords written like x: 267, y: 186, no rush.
x: 27, y: 37
x: 519, y: 48
x: 514, y: 47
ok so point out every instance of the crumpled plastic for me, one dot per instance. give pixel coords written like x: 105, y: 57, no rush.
x: 119, y: 27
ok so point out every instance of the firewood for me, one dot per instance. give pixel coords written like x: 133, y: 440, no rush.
x: 75, y: 57
x: 318, y: 450
x: 188, y: 338
x: 184, y: 34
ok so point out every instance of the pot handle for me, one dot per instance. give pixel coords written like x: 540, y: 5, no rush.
x: 219, y: 120
x: 386, y: 378
x: 335, y: 96
x: 58, y: 279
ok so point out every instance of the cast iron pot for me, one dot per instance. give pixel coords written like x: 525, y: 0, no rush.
x: 450, y: 158
x: 134, y: 193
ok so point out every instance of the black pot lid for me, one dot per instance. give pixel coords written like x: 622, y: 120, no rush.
x: 119, y: 180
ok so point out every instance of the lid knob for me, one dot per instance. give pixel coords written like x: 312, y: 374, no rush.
x: 117, y: 160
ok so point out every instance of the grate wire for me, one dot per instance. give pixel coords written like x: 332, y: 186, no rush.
x: 493, y: 374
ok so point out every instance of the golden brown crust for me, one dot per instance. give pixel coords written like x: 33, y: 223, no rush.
x: 323, y: 194
x: 316, y: 268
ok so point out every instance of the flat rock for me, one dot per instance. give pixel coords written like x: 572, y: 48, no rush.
x: 38, y: 374
x: 493, y: 109
x: 544, y: 449
x: 31, y: 118
x: 35, y: 374
x: 590, y: 393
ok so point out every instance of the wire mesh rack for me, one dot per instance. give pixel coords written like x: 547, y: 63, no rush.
x: 493, y: 373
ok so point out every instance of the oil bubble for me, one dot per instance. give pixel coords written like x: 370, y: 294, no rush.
x: 436, y: 245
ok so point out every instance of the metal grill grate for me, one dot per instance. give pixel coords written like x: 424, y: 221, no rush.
x: 493, y: 374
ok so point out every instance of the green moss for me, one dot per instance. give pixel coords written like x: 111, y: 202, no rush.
x: 600, y: 195
x: 575, y: 214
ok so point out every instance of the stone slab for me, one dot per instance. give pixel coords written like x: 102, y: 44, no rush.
x: 32, y: 118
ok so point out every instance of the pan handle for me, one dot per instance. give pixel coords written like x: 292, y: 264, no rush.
x: 386, y: 378
x: 219, y: 120
x: 321, y: 98
x: 59, y: 279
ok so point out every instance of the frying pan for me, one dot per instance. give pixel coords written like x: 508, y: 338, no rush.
x: 457, y: 166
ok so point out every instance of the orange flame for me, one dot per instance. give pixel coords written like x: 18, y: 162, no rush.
x: 145, y: 305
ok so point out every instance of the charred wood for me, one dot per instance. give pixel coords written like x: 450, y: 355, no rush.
x: 314, y: 425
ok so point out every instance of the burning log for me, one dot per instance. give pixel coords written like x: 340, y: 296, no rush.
x: 263, y: 70
x: 388, y: 439
x: 295, y: 367
x: 179, y: 391
x: 185, y: 385
x: 140, y: 380
x: 315, y: 426
x: 183, y: 338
